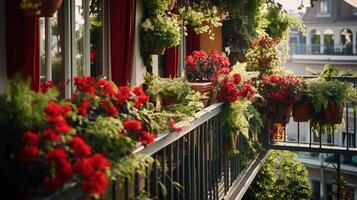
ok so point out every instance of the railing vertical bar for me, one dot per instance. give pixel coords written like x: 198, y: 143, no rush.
x: 347, y: 131
x: 298, y: 132
x: 198, y: 162
x: 333, y: 135
x: 320, y: 138
x: 136, y: 185
x: 182, y: 174
x: 156, y: 174
x: 178, y: 167
x: 211, y: 160
x: 217, y: 151
x: 190, y: 174
x: 204, y: 161
x: 310, y: 130
x: 126, y: 189
x: 170, y: 174
x: 147, y: 182
x: 194, y: 170
x: 285, y: 133
x: 163, y: 167
x: 354, y: 123
x: 114, y: 190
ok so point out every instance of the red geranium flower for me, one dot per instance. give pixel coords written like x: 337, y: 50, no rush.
x: 31, y: 138
x: 146, y: 137
x: 80, y: 148
x: 133, y: 125
x: 29, y: 153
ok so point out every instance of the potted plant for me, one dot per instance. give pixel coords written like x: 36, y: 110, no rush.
x: 159, y: 33
x: 302, y: 107
x: 200, y: 68
x: 280, y: 93
x: 155, y: 7
x: 40, y: 8
x: 328, y: 97
x: 175, y: 95
x: 201, y: 18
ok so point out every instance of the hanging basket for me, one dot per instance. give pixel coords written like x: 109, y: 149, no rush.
x: 166, y: 101
x: 47, y: 8
x: 278, y: 113
x: 172, y: 4
x: 302, y: 112
x: 157, y: 51
x: 333, y: 114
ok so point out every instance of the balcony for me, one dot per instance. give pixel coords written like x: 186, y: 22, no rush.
x: 321, y: 54
x: 192, y: 164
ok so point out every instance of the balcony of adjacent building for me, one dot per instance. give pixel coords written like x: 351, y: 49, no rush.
x: 334, y: 46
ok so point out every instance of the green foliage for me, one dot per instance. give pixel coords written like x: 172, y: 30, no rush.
x: 280, y: 23
x: 241, y: 27
x: 155, y: 7
x: 187, y: 101
x: 163, y: 31
x: 21, y: 109
x: 201, y: 17
x: 127, y: 166
x: 282, y: 177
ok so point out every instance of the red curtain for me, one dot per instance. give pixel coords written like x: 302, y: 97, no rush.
x: 122, y: 34
x: 172, y: 67
x: 22, y: 43
x: 192, y: 41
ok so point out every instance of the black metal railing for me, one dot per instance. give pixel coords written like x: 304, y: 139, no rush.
x: 299, y: 136
x: 193, y: 164
x: 317, y: 49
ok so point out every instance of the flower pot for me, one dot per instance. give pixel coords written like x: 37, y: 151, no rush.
x: 205, y: 88
x: 202, y: 87
x: 166, y: 101
x: 302, y: 112
x: 157, y: 51
x: 47, y: 8
x: 172, y: 4
x: 318, y: 118
x: 278, y: 113
x: 333, y: 114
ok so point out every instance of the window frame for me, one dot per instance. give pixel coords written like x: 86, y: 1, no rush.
x: 329, y: 8
x: 70, y: 51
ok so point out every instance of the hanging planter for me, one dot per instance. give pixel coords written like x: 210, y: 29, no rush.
x: 302, y: 112
x: 158, y: 51
x: 333, y: 114
x: 41, y: 8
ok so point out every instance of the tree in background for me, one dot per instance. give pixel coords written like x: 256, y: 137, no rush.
x: 281, y: 177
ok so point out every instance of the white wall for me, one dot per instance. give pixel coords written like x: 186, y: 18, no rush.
x: 2, y: 47
x: 138, y: 65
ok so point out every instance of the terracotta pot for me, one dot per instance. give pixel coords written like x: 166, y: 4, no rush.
x: 47, y: 8
x: 318, y: 118
x: 302, y: 112
x: 202, y: 87
x: 333, y: 114
x: 172, y: 4
x: 205, y: 88
x: 278, y: 113
x: 158, y: 51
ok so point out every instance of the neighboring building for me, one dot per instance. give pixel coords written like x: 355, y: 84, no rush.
x: 331, y: 29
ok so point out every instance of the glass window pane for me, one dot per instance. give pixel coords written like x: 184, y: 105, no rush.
x: 42, y: 50
x: 79, y: 39
x: 96, y: 37
x: 57, y: 50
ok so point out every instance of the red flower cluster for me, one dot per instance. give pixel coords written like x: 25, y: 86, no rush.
x: 56, y: 115
x: 231, y: 88
x: 135, y: 127
x: 46, y: 86
x: 31, y: 149
x: 284, y: 89
x: 277, y: 132
x: 201, y: 67
x: 265, y: 41
x: 173, y: 126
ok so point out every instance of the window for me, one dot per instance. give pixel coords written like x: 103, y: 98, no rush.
x: 73, y: 43
x: 324, y: 8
